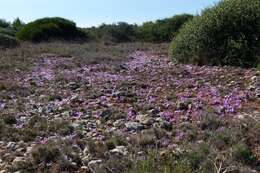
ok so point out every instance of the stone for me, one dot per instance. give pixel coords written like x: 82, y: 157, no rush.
x: 21, y: 150
x: 11, y: 146
x: 240, y: 116
x: 94, y: 165
x: 29, y: 149
x: 257, y: 92
x: 251, y: 87
x: 154, y: 112
x: 119, y: 150
x: 86, y: 159
x: 86, y: 151
x: 18, y: 161
x: 84, y: 168
x: 119, y: 123
x: 75, y: 125
x: 74, y: 164
x: 134, y: 126
x: 76, y: 99
x: 66, y: 114
x: 254, y: 78
x: 145, y: 119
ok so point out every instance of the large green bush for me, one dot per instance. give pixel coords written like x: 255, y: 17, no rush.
x: 7, y: 41
x: 226, y: 34
x: 50, y: 29
x: 162, y: 30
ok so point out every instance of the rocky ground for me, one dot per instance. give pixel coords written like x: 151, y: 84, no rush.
x: 128, y: 116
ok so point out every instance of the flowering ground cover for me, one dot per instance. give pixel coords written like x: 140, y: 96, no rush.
x: 124, y: 108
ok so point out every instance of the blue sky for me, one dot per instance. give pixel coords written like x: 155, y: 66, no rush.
x: 94, y: 12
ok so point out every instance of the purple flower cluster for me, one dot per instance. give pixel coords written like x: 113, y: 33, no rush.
x: 179, y: 92
x: 196, y: 89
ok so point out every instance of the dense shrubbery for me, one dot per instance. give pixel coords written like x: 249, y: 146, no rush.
x: 162, y: 30
x: 226, y: 34
x: 119, y: 32
x: 7, y: 35
x: 159, y: 31
x: 8, y: 31
x: 50, y: 28
x: 7, y: 41
x: 4, y: 24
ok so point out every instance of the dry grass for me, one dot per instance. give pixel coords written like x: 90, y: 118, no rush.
x: 23, y: 58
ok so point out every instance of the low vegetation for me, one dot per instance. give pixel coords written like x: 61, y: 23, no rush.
x: 86, y: 107
x: 95, y: 100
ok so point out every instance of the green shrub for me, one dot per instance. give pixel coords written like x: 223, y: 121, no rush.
x: 210, y: 121
x: 226, y: 34
x: 258, y: 67
x: 154, y: 162
x: 162, y: 30
x: 198, y: 155
x: 9, y: 119
x: 242, y: 153
x: 118, y: 33
x: 47, y: 29
x: 7, y: 41
x: 48, y: 153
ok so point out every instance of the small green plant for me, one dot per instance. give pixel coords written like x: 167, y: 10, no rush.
x: 145, y: 138
x: 48, y: 153
x: 223, y: 138
x: 242, y: 153
x: 60, y: 126
x: 8, y: 119
x: 210, y: 121
x: 258, y: 67
x: 155, y: 162
x: 114, y: 141
x: 197, y: 155
x: 38, y: 123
